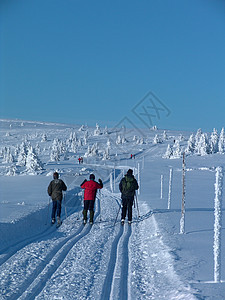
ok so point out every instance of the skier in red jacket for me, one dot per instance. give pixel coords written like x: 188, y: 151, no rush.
x: 90, y: 189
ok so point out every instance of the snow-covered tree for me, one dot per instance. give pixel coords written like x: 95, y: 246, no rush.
x: 202, y: 147
x: 8, y: 157
x: 33, y: 164
x: 21, y: 161
x: 221, y: 143
x: 177, y: 153
x: 118, y: 140
x: 44, y: 138
x: 106, y: 154
x: 82, y: 128
x: 214, y: 141
x: 11, y: 171
x: 80, y: 144
x: 123, y: 140
x: 54, y: 155
x: 106, y: 130
x: 85, y: 138
x: 169, y: 152
x: 165, y: 135
x: 198, y: 136
x: 55, y: 151
x: 157, y: 139
x: 141, y: 141
x: 73, y: 146
x: 154, y: 128
x: 135, y: 138
x: 108, y: 144
x: 88, y: 153
x: 37, y: 149
x: 97, y: 130
x: 190, y: 145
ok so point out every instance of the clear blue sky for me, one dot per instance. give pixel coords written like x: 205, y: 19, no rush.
x: 76, y: 61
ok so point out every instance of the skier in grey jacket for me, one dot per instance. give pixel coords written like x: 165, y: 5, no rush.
x: 55, y: 189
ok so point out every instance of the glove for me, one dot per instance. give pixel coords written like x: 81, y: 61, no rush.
x: 100, y: 181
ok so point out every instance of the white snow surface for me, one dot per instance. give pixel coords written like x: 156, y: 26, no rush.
x: 148, y: 260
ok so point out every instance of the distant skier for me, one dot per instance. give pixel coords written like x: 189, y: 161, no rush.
x: 90, y: 189
x: 55, y: 189
x: 128, y: 185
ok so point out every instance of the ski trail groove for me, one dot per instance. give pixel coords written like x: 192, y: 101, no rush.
x: 50, y: 268
x: 106, y: 290
x: 36, y: 283
x: 123, y: 291
x: 69, y: 240
x: 12, y: 249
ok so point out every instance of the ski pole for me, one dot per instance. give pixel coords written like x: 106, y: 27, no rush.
x: 47, y: 211
x: 100, y: 204
x: 137, y: 205
x: 65, y: 204
x: 117, y: 215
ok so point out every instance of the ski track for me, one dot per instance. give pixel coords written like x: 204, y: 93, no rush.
x: 9, y: 251
x: 93, y: 262
x: 21, y: 260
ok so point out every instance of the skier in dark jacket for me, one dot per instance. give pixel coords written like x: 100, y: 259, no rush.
x: 55, y: 189
x: 128, y: 185
x: 90, y: 189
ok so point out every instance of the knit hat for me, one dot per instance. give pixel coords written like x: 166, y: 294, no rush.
x: 55, y: 175
x: 130, y: 172
x: 92, y: 177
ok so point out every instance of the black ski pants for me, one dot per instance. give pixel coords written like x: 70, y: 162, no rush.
x: 127, y: 204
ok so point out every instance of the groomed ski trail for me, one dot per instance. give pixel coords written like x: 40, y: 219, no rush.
x: 102, y: 261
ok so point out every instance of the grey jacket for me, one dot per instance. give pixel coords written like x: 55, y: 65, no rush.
x: 55, y: 189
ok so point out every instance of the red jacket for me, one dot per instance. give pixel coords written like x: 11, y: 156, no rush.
x: 90, y: 188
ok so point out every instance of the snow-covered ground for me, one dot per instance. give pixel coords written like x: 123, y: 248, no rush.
x: 149, y: 259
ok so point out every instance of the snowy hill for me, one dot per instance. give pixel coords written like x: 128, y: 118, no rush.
x: 150, y: 259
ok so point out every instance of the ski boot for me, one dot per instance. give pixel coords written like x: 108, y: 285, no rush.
x: 122, y: 221
x: 59, y: 222
x: 91, y: 217
x: 84, y: 216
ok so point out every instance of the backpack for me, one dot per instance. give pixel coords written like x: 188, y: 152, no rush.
x: 127, y: 185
